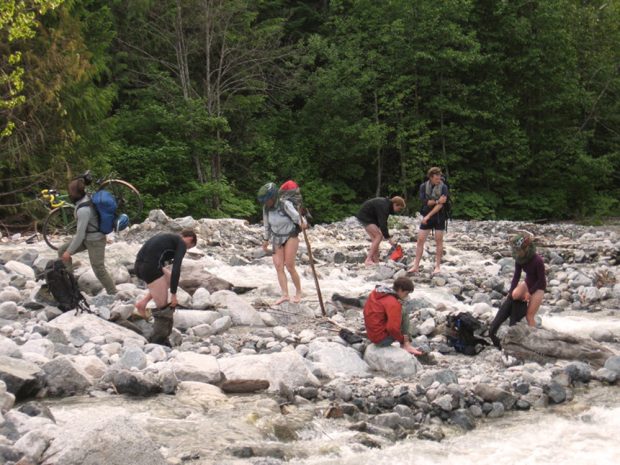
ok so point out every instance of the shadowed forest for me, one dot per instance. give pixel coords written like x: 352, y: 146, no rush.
x: 199, y: 102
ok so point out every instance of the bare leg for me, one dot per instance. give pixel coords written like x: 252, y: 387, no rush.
x: 376, y: 236
x: 290, y: 254
x: 419, y: 250
x: 159, y: 291
x: 142, y: 303
x: 278, y: 262
x: 520, y: 292
x: 439, y: 251
x: 533, y: 306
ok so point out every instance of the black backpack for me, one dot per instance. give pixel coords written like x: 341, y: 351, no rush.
x: 461, y: 328
x: 64, y: 287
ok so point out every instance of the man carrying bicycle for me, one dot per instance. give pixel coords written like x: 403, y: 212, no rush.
x: 87, y: 236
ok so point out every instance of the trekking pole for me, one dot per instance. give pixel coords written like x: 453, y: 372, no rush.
x: 316, y: 279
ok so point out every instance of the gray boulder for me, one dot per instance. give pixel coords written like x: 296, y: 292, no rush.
x: 337, y: 359
x: 392, y: 360
x: 186, y: 319
x: 93, y: 440
x: 190, y: 366
x: 22, y: 378
x: 241, y: 312
x: 64, y: 378
x: 79, y: 329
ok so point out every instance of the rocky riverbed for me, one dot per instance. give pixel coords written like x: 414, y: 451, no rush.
x: 248, y: 382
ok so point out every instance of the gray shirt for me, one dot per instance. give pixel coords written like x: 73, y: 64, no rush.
x: 87, y: 225
x: 279, y: 222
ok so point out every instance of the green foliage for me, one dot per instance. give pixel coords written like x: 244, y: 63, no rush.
x: 198, y: 103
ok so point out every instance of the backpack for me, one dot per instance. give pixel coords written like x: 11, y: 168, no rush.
x: 106, y: 208
x: 290, y: 191
x: 64, y: 287
x: 460, y: 334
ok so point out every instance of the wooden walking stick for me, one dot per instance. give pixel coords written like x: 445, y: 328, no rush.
x: 316, y: 279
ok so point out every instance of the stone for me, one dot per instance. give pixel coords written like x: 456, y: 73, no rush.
x: 186, y: 319
x: 134, y: 383
x: 79, y: 329
x: 190, y: 366
x: 497, y: 410
x: 8, y: 311
x: 443, y: 402
x: 464, y: 419
x: 490, y: 393
x: 241, y: 312
x: 22, y: 378
x: 287, y: 368
x: 578, y: 371
x: 64, y: 378
x: 43, y: 347
x: 393, y: 360
x: 21, y: 269
x: 613, y: 364
x: 222, y: 324
x: 133, y: 357
x: 440, y: 376
x: 556, y: 393
x: 201, y: 299
x: 337, y: 359
x: 120, y: 441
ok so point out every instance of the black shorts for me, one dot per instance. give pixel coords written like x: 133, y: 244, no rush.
x: 436, y: 222
x: 148, y: 271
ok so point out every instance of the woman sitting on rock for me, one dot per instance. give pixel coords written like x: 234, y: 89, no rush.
x: 282, y: 225
x: 533, y: 289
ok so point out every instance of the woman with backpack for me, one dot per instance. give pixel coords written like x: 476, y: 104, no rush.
x: 282, y: 224
x: 533, y: 288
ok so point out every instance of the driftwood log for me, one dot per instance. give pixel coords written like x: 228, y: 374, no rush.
x: 544, y: 345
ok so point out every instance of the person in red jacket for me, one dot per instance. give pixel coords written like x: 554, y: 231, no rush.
x: 384, y: 317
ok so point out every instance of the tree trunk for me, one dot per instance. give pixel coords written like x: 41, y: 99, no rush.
x: 379, y: 158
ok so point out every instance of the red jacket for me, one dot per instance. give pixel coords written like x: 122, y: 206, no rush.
x: 383, y: 316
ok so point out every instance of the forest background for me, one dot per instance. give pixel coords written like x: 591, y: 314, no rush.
x: 200, y: 102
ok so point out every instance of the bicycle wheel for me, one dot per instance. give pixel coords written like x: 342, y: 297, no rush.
x: 60, y: 222
x: 127, y: 197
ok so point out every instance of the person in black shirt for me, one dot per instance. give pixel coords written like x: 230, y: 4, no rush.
x: 373, y: 215
x: 150, y: 266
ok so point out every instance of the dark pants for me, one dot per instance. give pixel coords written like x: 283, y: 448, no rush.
x: 515, y: 310
x: 162, y: 326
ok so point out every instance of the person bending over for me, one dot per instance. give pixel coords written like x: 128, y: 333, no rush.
x: 151, y: 267
x: 385, y: 318
x: 373, y: 214
x: 533, y: 288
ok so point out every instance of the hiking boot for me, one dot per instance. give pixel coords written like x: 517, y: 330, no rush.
x: 162, y: 326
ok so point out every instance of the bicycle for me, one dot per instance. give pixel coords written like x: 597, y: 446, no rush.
x: 61, y: 222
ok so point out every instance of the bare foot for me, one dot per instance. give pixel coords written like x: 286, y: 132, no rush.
x: 369, y: 263
x: 413, y: 269
x: 436, y: 270
x: 296, y: 299
x: 141, y: 310
x: 282, y: 299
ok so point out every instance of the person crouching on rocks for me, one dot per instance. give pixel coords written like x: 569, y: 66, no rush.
x: 282, y: 224
x: 385, y: 318
x: 373, y: 215
x: 150, y: 267
x: 533, y: 289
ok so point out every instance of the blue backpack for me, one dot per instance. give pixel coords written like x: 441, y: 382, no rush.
x: 106, y: 206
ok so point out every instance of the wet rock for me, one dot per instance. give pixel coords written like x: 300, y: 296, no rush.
x: 430, y: 433
x: 613, y: 364
x: 493, y: 394
x: 120, y: 441
x: 464, y: 419
x: 556, y: 392
x: 134, y: 383
x: 497, y: 410
x: 578, y: 371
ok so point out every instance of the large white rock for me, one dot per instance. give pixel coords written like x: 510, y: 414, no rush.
x: 186, y: 319
x: 9, y: 310
x: 288, y: 368
x: 241, y: 312
x: 392, y: 360
x: 95, y: 440
x: 201, y: 299
x: 189, y: 366
x: 201, y: 395
x: 337, y: 360
x: 21, y: 269
x: 43, y: 347
x: 91, y: 365
x: 79, y: 329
